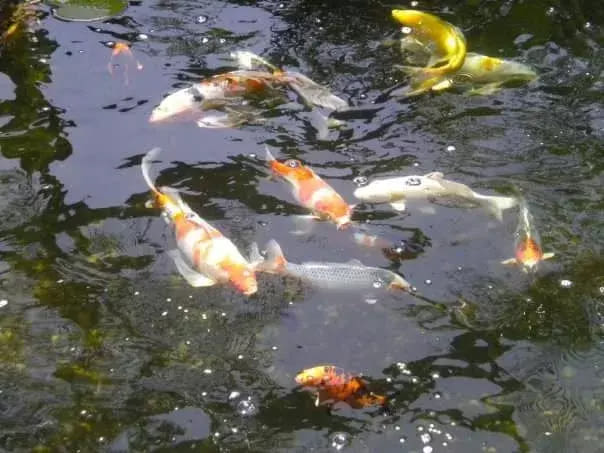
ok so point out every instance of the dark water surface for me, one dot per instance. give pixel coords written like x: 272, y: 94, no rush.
x: 104, y: 347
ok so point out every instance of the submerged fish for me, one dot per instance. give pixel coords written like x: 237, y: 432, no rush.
x: 311, y: 191
x: 430, y: 186
x: 528, y: 244
x: 233, y: 87
x: 352, y: 275
x: 333, y: 385
x: 121, y: 48
x: 204, y: 257
x: 450, y: 48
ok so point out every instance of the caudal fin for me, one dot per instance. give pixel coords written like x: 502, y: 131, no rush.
x: 496, y: 205
x: 249, y: 60
x: 275, y: 260
x: 312, y: 93
x: 421, y: 79
x: 145, y: 167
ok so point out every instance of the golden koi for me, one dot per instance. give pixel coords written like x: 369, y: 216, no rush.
x: 448, y: 39
x: 204, y: 257
x: 528, y: 244
x: 311, y: 191
x: 333, y: 385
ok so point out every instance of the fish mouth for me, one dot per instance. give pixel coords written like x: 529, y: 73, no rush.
x: 399, y: 284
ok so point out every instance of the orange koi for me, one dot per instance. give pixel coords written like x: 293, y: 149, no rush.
x: 528, y: 251
x: 333, y: 385
x: 311, y: 191
x: 204, y: 257
x: 121, y: 48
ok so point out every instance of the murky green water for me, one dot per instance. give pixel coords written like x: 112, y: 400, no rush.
x: 103, y: 345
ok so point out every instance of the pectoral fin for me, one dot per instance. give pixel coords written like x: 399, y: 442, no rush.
x: 547, y: 256
x: 193, y: 277
x: 510, y: 262
x: 398, y: 205
x: 487, y: 89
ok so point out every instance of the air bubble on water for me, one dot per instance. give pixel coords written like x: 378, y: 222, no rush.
x: 601, y: 289
x: 437, y: 395
x: 201, y: 19
x: 101, y: 439
x: 252, y: 155
x: 449, y: 436
x: 180, y: 307
x: 397, y: 428
x: 402, y: 440
x: 142, y: 36
x: 451, y: 148
x: 389, y: 379
x: 339, y: 440
x: 370, y: 301
x: 378, y: 284
x: 550, y: 11
x: 406, y: 30
x: 204, y: 316
x: 281, y: 5
x: 59, y: 281
x: 414, y: 288
x: 425, y: 438
x: 547, y: 433
x: 207, y: 371
x: 3, y: 303
x: 415, y: 380
x: 240, y: 357
x: 168, y: 299
x: 223, y: 314
x: 401, y: 365
x: 246, y: 408
x: 587, y: 25
x: 435, y: 375
x: 204, y: 40
x: 136, y: 293
x: 360, y: 181
x: 566, y: 283
x: 164, y: 313
x: 204, y: 393
x: 275, y: 348
x: 416, y: 164
x: 420, y: 428
x: 222, y: 40
x: 428, y: 281
x: 459, y: 268
x: 445, y: 444
x: 427, y: 449
x: 414, y: 3
x: 234, y: 394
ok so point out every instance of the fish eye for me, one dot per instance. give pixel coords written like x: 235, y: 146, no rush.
x: 413, y: 181
x: 292, y: 163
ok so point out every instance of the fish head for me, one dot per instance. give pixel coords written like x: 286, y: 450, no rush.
x: 315, y: 376
x: 229, y: 85
x: 529, y: 253
x: 398, y: 283
x: 410, y: 17
x: 243, y: 278
x: 292, y: 169
x: 176, y: 104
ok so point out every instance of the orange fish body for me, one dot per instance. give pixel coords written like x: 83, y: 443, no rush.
x: 312, y: 192
x: 204, y: 256
x: 528, y: 252
x: 334, y: 384
x: 121, y: 48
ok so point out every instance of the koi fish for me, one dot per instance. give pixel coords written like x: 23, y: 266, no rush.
x: 121, y: 48
x: 431, y: 186
x: 234, y: 86
x: 204, y: 257
x: 450, y: 46
x: 311, y: 191
x: 528, y: 244
x: 333, y: 384
x: 352, y: 275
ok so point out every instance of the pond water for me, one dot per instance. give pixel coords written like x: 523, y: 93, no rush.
x: 104, y: 347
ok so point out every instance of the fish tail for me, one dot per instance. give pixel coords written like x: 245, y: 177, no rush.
x: 146, y: 165
x: 312, y: 93
x: 275, y: 260
x: 269, y: 156
x: 496, y: 205
x: 249, y: 60
x: 422, y: 79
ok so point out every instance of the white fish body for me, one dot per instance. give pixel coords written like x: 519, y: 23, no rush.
x: 432, y: 185
x: 479, y: 68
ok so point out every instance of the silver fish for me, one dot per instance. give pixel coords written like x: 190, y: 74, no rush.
x: 352, y: 275
x: 430, y: 186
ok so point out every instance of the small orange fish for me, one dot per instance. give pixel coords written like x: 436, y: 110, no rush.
x: 528, y: 248
x: 204, y: 257
x: 312, y: 192
x: 121, y: 48
x: 333, y: 385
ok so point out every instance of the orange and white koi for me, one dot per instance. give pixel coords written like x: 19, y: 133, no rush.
x: 311, y: 191
x: 121, y: 48
x: 333, y: 385
x: 204, y: 257
x: 528, y: 244
x: 257, y: 77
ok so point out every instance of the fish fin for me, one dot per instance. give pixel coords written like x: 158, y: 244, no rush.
x: 269, y: 156
x: 255, y: 257
x: 548, y: 255
x: 421, y: 79
x: 355, y: 261
x: 275, y: 261
x: 443, y: 85
x: 312, y: 93
x: 496, y: 205
x: 194, y: 278
x: 146, y: 165
x: 220, y: 121
x: 304, y: 224
x: 510, y: 262
x: 249, y: 60
x: 398, y: 205
x: 489, y: 88
x: 435, y: 175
